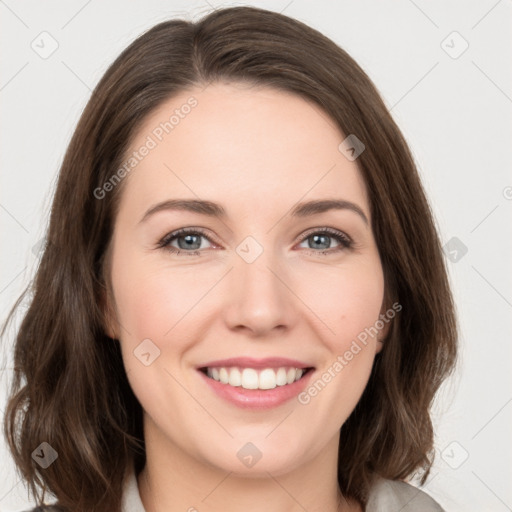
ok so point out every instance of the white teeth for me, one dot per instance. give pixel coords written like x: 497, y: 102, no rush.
x: 235, y: 377
x: 268, y: 379
x: 223, y: 376
x: 249, y: 378
x: 281, y: 377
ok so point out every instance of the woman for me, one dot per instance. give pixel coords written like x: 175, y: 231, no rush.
x: 189, y: 345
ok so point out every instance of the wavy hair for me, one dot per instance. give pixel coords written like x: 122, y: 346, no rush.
x: 69, y: 387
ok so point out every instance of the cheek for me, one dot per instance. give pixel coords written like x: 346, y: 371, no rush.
x: 149, y: 301
x: 347, y: 299
x: 348, y: 302
x: 153, y: 306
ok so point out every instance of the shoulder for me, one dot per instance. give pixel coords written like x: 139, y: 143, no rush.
x: 386, y: 495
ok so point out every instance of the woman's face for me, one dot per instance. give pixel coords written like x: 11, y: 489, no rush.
x: 262, y: 280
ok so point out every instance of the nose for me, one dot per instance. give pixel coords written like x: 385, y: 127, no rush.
x: 259, y: 297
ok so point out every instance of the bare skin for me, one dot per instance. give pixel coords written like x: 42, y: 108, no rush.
x: 256, y: 152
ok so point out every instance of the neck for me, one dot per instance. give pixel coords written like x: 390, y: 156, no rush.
x: 173, y: 481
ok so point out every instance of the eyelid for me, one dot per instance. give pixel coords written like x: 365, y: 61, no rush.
x: 183, y: 231
x: 325, y: 229
x: 300, y: 238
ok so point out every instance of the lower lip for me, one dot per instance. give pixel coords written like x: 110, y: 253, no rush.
x: 257, y: 398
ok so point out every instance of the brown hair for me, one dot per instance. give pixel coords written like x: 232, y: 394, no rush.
x: 76, y: 396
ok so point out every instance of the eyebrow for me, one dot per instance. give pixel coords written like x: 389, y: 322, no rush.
x: 212, y: 209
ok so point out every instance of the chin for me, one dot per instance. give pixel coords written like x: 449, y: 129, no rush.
x: 257, y: 458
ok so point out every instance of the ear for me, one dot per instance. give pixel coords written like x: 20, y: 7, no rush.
x: 384, y: 331
x: 110, y: 324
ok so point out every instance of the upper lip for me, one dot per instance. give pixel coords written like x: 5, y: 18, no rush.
x: 250, y: 362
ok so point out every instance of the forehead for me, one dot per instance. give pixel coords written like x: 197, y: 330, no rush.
x: 238, y: 144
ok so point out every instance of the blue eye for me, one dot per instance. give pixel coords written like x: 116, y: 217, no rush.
x: 189, y: 241
x: 322, y: 238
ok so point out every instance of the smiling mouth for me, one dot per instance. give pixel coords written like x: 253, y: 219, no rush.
x: 252, y: 378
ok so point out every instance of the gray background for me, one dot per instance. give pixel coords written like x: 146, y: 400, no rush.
x: 454, y: 109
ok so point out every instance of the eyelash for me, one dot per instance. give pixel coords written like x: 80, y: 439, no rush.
x: 344, y: 240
